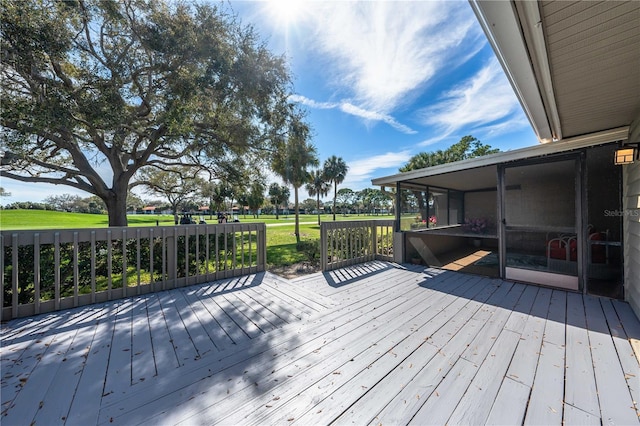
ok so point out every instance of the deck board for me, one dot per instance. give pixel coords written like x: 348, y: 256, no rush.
x: 446, y: 396
x: 408, y: 382
x: 525, y: 360
x: 356, y: 382
x: 616, y: 403
x: 262, y: 351
x: 165, y: 357
x: 141, y: 346
x: 194, y: 325
x: 230, y: 333
x: 55, y: 404
x: 328, y: 338
x: 40, y: 380
x: 88, y: 394
x: 511, y: 394
x: 628, y: 361
x: 494, y: 318
x: 29, y: 340
x: 376, y: 343
x: 580, y: 386
x: 179, y: 332
x: 546, y: 399
x: 118, y: 375
x: 476, y: 404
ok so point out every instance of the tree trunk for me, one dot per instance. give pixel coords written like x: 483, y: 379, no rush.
x: 116, y: 204
x: 318, y: 207
x: 335, y: 195
x: 297, y: 212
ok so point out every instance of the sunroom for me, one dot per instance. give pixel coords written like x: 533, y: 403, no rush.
x: 550, y: 215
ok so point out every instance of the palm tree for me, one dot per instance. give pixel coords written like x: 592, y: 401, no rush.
x: 317, y: 186
x: 335, y: 170
x: 255, y: 198
x: 293, y: 159
x: 278, y: 195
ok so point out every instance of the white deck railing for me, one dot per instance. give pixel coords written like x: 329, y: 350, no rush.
x: 49, y: 270
x: 349, y: 243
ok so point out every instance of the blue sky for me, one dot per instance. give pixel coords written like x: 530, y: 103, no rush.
x: 381, y: 81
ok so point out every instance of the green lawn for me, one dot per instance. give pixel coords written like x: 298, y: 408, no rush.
x: 281, y: 241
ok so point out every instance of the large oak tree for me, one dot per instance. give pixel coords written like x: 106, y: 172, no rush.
x: 93, y: 91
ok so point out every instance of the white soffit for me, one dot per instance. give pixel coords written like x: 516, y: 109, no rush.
x: 500, y: 24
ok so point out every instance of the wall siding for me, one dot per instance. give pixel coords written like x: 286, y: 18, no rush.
x: 631, y: 226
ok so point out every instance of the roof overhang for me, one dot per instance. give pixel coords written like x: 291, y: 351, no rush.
x: 537, y: 151
x: 574, y: 65
x: 500, y: 22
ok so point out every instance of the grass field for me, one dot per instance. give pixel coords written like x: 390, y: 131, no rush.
x: 281, y: 240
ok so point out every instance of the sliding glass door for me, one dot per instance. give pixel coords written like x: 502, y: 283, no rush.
x: 541, y: 243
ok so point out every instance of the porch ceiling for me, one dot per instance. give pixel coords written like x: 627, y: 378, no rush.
x: 574, y: 65
x: 463, y: 180
x: 594, y: 53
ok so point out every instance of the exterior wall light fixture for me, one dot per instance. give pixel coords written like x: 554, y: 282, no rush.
x: 626, y: 154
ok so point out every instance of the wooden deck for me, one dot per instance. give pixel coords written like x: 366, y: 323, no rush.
x: 377, y: 343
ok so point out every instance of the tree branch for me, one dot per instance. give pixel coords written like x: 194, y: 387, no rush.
x: 55, y: 181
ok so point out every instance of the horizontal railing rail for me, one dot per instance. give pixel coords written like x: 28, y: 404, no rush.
x: 49, y: 270
x: 352, y: 242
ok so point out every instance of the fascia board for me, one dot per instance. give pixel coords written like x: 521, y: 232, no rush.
x: 500, y: 23
x: 570, y: 144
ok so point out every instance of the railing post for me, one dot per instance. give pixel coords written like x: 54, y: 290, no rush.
x: 36, y: 273
x: 323, y: 247
x: 186, y: 254
x: 171, y: 259
x: 93, y: 266
x: 234, y: 246
x: 56, y: 266
x: 138, y: 265
x: 262, y: 248
x: 374, y: 239
x: 197, y: 259
x: 125, y: 280
x: 76, y: 271
x: 2, y: 277
x: 151, y: 245
x: 14, y: 275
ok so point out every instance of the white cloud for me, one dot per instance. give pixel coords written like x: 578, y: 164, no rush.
x: 433, y: 140
x: 483, y: 99
x: 505, y: 127
x: 354, y: 110
x: 375, y: 116
x: 311, y: 103
x: 361, y: 171
x: 383, y: 51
